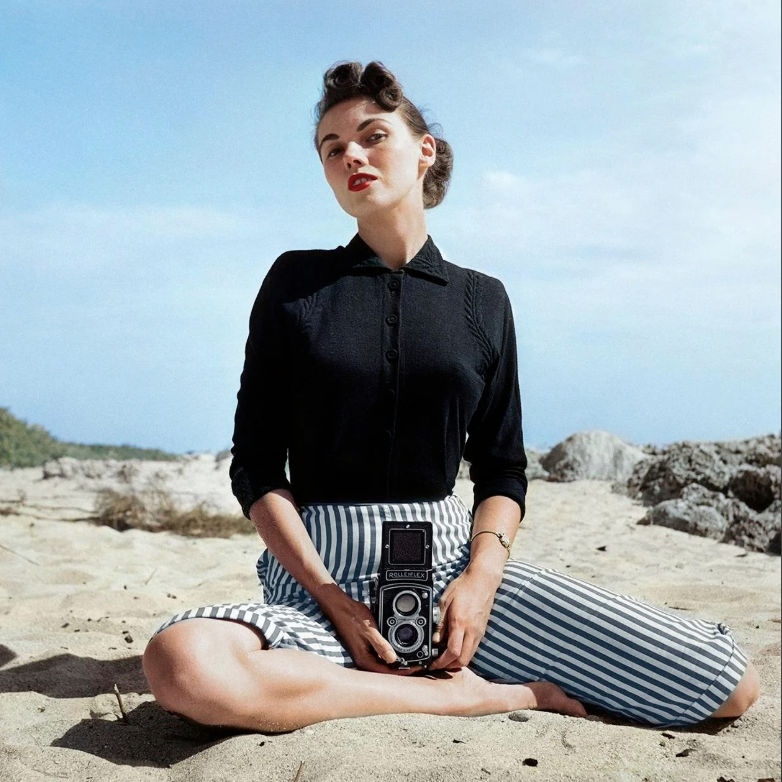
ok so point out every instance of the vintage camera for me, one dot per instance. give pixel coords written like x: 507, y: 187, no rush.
x: 402, y: 596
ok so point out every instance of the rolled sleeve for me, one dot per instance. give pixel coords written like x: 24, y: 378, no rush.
x: 495, y: 443
x: 261, y: 422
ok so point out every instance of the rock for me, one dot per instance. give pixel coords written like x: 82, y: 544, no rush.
x: 711, y: 514
x: 708, y: 518
x: 757, y: 531
x: 757, y: 487
x: 664, y: 477
x: 535, y: 469
x: 592, y: 455
x: 755, y: 451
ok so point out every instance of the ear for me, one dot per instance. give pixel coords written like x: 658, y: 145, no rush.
x: 428, y: 152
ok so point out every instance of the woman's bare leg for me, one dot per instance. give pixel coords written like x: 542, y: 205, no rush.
x: 746, y: 693
x: 219, y: 672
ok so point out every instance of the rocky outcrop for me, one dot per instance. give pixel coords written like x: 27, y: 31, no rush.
x: 698, y: 511
x: 757, y: 487
x: 756, y: 451
x: 728, y: 491
x: 664, y: 477
x: 535, y: 470
x: 592, y: 455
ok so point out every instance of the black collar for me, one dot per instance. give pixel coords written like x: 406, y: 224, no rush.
x: 427, y: 261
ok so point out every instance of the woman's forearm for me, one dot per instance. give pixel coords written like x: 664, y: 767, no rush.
x: 487, y: 555
x: 276, y: 517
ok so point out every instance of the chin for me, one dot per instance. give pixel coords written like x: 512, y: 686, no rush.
x: 365, y: 210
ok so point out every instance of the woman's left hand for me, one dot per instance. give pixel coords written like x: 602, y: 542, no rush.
x: 464, y: 613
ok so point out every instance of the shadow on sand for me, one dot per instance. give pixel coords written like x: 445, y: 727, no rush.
x: 70, y: 676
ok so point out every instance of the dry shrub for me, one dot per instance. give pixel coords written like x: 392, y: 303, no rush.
x: 120, y: 511
x: 155, y: 511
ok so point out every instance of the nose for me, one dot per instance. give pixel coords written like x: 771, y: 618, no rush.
x: 354, y: 157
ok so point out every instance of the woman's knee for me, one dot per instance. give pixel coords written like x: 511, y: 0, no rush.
x: 172, y: 663
x: 746, y: 693
x: 184, y: 662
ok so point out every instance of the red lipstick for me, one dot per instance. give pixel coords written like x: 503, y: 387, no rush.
x: 358, y: 182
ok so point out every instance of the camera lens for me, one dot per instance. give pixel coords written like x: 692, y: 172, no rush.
x: 406, y: 635
x: 406, y: 603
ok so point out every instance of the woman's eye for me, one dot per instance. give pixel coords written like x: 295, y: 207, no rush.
x: 377, y: 136
x: 331, y: 152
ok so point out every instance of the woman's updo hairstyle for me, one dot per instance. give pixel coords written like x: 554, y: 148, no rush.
x: 347, y: 80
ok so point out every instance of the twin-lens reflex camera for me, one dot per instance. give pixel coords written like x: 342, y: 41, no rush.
x: 402, y: 595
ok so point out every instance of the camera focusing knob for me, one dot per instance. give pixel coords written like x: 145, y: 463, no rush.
x: 436, y: 615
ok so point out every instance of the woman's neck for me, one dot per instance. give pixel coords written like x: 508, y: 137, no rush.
x: 395, y: 240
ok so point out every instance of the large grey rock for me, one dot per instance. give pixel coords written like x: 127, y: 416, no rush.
x: 757, y: 531
x: 535, y: 471
x: 757, y: 487
x: 664, y: 477
x: 594, y: 455
x: 699, y: 511
x: 707, y: 513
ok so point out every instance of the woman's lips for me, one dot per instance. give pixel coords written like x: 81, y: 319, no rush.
x: 358, y: 182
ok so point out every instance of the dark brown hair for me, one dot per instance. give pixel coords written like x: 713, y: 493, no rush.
x: 346, y: 80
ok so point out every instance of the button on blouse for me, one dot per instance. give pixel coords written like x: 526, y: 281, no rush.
x: 373, y: 383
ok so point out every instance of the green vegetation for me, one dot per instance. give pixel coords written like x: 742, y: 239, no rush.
x: 25, y: 445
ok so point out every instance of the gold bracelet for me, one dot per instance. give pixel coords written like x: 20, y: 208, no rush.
x: 501, y: 536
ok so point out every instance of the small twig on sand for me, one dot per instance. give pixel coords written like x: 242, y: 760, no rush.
x: 297, y: 778
x: 121, y: 704
x: 150, y: 576
x: 27, y: 559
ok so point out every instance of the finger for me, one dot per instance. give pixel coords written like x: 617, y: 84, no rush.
x: 381, y: 647
x: 452, y: 652
x: 469, y: 645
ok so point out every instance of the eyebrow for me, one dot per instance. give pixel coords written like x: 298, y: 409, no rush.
x: 332, y: 136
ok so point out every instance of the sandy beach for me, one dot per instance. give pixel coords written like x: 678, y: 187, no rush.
x: 79, y: 602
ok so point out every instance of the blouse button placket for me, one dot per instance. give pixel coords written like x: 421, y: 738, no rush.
x: 392, y: 312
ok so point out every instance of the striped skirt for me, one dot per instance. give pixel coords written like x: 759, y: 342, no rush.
x: 610, y: 650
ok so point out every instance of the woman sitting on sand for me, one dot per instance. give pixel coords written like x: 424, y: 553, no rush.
x: 374, y: 368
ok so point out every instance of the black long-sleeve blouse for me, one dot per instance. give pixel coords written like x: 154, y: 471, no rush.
x: 373, y: 382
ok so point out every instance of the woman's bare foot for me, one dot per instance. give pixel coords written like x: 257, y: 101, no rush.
x: 473, y: 696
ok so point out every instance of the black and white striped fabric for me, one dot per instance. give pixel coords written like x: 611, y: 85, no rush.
x: 602, y: 648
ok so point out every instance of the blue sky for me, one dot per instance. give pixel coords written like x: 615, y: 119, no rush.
x: 617, y: 166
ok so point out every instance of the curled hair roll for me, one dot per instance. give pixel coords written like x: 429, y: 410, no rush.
x: 346, y: 80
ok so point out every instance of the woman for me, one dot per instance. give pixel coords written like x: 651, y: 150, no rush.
x: 373, y: 368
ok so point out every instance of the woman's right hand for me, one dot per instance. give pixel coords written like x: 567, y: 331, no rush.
x: 358, y: 631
